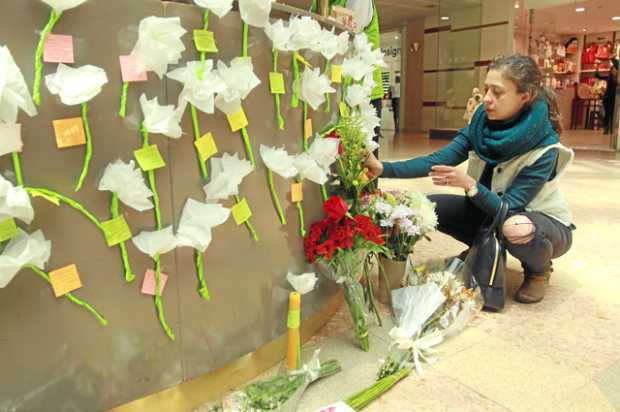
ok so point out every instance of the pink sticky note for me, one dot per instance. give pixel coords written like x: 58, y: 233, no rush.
x: 131, y: 71
x: 148, y: 285
x: 58, y: 49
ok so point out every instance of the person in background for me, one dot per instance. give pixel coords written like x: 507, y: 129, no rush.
x: 609, y: 99
x: 396, y: 103
x: 514, y: 155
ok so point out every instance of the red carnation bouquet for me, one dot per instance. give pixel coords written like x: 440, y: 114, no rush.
x: 339, y: 245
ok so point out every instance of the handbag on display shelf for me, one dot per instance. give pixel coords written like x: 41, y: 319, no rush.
x: 485, y: 264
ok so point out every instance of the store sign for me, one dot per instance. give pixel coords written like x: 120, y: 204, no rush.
x: 392, y: 52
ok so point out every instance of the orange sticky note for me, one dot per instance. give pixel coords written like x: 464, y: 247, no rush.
x: 297, y: 192
x: 336, y: 74
x: 206, y: 146
x: 58, y: 49
x: 148, y: 285
x: 65, y: 280
x: 132, y: 71
x: 238, y: 120
x: 308, y: 128
x: 241, y: 212
x: 69, y: 132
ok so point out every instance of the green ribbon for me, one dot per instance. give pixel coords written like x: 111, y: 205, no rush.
x: 300, y: 214
x: 244, y: 50
x: 158, y: 302
x: 123, y: 111
x: 71, y: 296
x: 249, y: 151
x: 197, y: 135
x: 305, y: 119
x: 248, y: 223
x: 17, y: 167
x: 46, y: 193
x: 129, y: 275
x: 89, y: 147
x: 328, y: 100
x: 38, y: 58
x: 151, y: 176
x: 276, y: 96
x: 203, y: 290
x: 275, y: 197
x: 296, y: 82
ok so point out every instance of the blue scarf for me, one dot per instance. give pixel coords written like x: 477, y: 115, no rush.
x: 498, y: 141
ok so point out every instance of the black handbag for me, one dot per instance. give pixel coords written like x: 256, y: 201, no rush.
x: 485, y: 264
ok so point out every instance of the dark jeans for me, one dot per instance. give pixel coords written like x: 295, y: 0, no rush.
x: 377, y: 105
x: 396, y: 110
x: 461, y: 219
x: 608, y: 107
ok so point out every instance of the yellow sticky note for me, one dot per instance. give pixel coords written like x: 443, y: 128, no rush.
x: 336, y: 74
x: 276, y: 83
x: 205, y: 41
x: 344, y: 109
x: 69, y: 132
x: 206, y: 146
x: 116, y: 231
x: 241, y: 212
x: 149, y: 158
x: 297, y: 192
x: 238, y: 120
x: 308, y: 128
x: 52, y: 199
x: 65, y: 280
x: 8, y: 229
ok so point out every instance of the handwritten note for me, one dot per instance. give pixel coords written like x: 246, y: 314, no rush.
x: 58, y: 49
x: 206, y: 146
x: 149, y: 282
x: 116, y: 231
x: 205, y: 41
x: 8, y: 229
x: 276, y: 83
x: 149, y: 158
x: 69, y: 132
x: 131, y: 71
x: 238, y: 120
x: 241, y: 212
x: 65, y: 280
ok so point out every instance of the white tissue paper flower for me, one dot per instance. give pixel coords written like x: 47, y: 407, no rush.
x: 160, y: 119
x: 309, y: 169
x: 239, y: 79
x: 279, y: 33
x: 357, y: 95
x: 219, y: 7
x: 303, y: 283
x: 196, y: 223
x: 14, y: 94
x: 255, y: 12
x: 159, y: 43
x: 63, y: 5
x: 127, y: 181
x: 314, y: 86
x: 305, y: 32
x: 227, y: 173
x: 278, y: 161
x: 197, y: 90
x: 76, y: 85
x: 324, y: 151
x: 14, y: 202
x: 22, y: 250
x: 330, y: 44
x: 156, y: 242
x: 369, y: 118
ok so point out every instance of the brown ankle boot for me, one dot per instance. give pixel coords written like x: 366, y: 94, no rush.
x: 533, y: 288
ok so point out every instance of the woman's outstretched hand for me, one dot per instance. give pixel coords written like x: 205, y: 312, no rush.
x: 374, y: 165
x: 451, y: 176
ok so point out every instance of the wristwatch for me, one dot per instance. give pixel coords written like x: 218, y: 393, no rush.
x: 473, y: 191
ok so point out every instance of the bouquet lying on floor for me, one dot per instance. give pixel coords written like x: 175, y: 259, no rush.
x: 281, y: 393
x: 436, y: 305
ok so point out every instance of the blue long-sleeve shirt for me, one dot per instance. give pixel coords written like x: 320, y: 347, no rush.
x: 519, y: 194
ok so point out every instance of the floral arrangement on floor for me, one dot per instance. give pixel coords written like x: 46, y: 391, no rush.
x: 339, y: 244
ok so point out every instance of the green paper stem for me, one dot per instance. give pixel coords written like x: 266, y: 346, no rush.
x: 248, y: 223
x: 203, y: 55
x: 70, y: 202
x: 151, y: 176
x: 124, y: 91
x: 324, y: 193
x: 296, y: 82
x: 300, y: 213
x: 244, y: 50
x: 89, y: 147
x: 129, y: 275
x: 38, y: 57
x: 158, y: 301
x: 71, y: 296
x: 17, y: 167
x: 305, y: 106
x: 274, y: 196
x: 197, y: 135
x: 203, y: 291
x: 248, y: 146
x: 328, y: 100
x: 276, y: 96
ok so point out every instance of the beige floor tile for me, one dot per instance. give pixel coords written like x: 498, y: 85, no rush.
x: 586, y: 399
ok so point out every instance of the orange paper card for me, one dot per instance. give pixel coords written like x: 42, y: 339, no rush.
x: 65, y: 280
x: 69, y: 132
x: 297, y: 192
x: 308, y: 128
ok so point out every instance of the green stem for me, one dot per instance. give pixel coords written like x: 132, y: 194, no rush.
x: 247, y: 223
x: 203, y: 55
x: 38, y: 57
x: 70, y: 202
x: 245, y: 40
x: 364, y: 398
x: 158, y: 301
x: 300, y: 213
x: 276, y: 96
x: 204, y: 291
x: 324, y: 193
x: 71, y: 296
x: 328, y: 100
x: 151, y: 176
x: 17, y: 166
x: 249, y: 151
x: 274, y: 196
x: 123, y: 110
x: 296, y: 82
x: 305, y: 108
x: 129, y: 275
x: 197, y: 135
x: 89, y: 147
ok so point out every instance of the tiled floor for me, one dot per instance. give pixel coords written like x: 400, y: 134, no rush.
x: 560, y: 355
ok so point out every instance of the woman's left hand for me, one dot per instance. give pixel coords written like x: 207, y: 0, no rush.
x: 451, y: 176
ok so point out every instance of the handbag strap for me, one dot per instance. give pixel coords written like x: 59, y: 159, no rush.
x: 499, y: 220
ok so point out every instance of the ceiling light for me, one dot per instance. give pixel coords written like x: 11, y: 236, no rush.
x: 616, y: 18
x: 444, y: 18
x: 516, y: 5
x: 580, y: 9
x: 584, y: 29
x: 395, y: 37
